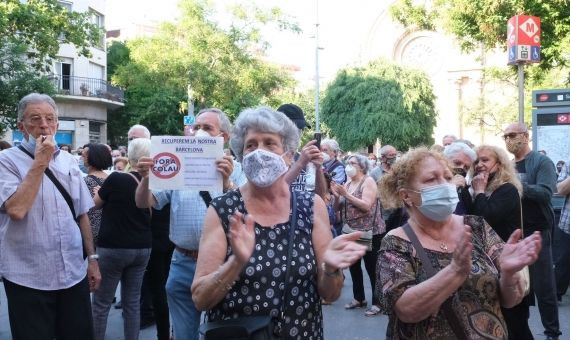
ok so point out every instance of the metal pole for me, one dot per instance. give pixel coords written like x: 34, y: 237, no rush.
x: 317, y: 125
x: 520, y: 69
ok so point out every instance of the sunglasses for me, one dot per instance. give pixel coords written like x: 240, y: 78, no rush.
x: 511, y: 135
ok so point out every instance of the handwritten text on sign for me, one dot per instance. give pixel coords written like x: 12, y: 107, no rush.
x: 186, y: 163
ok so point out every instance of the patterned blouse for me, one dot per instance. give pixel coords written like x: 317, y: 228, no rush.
x: 260, y: 288
x: 477, y: 302
x: 358, y: 220
x: 94, y: 214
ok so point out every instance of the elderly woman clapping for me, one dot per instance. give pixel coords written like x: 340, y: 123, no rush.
x: 475, y: 271
x: 243, y: 256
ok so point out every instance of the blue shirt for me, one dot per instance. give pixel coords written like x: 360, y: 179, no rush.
x: 188, y: 210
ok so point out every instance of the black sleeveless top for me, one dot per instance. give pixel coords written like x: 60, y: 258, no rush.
x: 260, y: 287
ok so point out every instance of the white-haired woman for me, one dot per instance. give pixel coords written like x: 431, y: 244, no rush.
x: 359, y: 209
x: 124, y: 245
x: 461, y: 157
x: 244, y: 250
x: 331, y: 165
x: 497, y: 191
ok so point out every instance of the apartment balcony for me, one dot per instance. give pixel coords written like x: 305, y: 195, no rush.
x: 89, y: 89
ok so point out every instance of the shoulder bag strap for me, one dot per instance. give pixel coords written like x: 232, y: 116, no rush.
x: 292, y: 228
x: 450, y: 315
x: 206, y: 197
x: 138, y: 182
x: 57, y: 184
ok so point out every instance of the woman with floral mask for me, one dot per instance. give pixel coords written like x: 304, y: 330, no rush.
x: 468, y: 274
x: 497, y: 192
x: 244, y: 250
x: 359, y: 209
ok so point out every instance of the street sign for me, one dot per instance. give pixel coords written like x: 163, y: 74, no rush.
x: 523, y: 39
x: 189, y: 120
x: 559, y: 97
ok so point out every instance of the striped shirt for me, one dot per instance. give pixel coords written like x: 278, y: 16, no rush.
x: 564, y: 223
x: 43, y: 250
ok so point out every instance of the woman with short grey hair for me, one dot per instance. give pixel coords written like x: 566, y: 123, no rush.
x: 360, y: 211
x: 265, y: 120
x: 252, y: 235
x: 124, y: 245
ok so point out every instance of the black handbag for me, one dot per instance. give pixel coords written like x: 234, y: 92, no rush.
x: 255, y: 327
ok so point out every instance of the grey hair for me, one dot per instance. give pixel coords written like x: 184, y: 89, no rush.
x: 362, y: 162
x: 454, y: 137
x: 141, y: 127
x: 138, y: 148
x: 225, y: 125
x: 263, y: 119
x: 333, y: 144
x: 34, y: 98
x: 384, y: 150
x: 457, y: 147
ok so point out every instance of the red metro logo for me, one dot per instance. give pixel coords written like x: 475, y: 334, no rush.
x: 166, y: 165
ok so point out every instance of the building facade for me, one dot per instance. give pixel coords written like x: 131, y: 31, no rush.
x: 84, y: 96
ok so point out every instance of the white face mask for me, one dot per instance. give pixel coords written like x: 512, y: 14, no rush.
x: 350, y: 170
x: 438, y: 201
x: 202, y: 133
x: 326, y: 157
x: 263, y: 168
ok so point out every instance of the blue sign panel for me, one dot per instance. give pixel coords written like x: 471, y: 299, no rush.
x: 189, y: 120
x: 62, y: 137
x: 535, y: 53
x: 512, y: 54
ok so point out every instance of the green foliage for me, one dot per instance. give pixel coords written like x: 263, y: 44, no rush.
x: 42, y: 25
x: 382, y: 101
x: 221, y: 66
x: 478, y: 23
x: 117, y: 54
x: 17, y: 79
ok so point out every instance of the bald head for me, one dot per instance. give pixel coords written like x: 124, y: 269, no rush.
x: 516, y: 127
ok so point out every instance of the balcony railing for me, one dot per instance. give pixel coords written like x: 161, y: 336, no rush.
x: 87, y: 87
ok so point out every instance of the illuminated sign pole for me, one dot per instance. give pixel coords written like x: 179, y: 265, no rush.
x: 523, y: 45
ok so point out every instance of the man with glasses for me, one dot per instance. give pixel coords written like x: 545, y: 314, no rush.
x: 43, y: 199
x: 538, y: 177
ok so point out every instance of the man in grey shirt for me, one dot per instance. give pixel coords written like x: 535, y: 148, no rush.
x: 46, y: 279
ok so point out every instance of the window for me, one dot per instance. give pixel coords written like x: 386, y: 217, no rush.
x: 99, y: 20
x: 64, y: 70
x: 68, y: 6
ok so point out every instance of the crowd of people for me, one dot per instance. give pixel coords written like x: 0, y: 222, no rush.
x: 456, y: 239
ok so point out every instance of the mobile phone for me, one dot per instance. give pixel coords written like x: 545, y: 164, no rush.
x: 317, y: 137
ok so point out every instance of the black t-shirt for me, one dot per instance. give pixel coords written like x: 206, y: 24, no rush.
x: 501, y: 209
x: 123, y: 225
x: 532, y: 212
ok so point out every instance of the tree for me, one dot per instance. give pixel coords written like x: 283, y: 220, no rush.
x: 478, y: 23
x: 222, y: 67
x: 42, y: 25
x: 17, y: 79
x: 382, y: 101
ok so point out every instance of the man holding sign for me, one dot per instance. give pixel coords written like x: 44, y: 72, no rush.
x: 187, y: 211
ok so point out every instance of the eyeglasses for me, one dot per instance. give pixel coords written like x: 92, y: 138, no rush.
x: 511, y: 135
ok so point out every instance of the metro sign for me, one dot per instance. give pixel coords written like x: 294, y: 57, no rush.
x: 563, y: 118
x: 523, y: 39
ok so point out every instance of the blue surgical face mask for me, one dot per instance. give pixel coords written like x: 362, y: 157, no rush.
x: 30, y: 143
x: 438, y: 201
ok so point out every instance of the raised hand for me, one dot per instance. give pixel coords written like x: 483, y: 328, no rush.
x: 45, y: 147
x: 342, y: 251
x: 242, y: 236
x: 461, y: 261
x: 519, y: 253
x: 479, y: 182
x: 458, y: 181
x: 225, y: 166
x: 143, y: 166
x: 310, y: 153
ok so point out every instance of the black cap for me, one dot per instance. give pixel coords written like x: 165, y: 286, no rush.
x: 296, y: 115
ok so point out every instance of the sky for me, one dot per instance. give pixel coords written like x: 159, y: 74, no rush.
x: 343, y: 28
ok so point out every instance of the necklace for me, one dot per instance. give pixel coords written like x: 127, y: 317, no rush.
x: 442, y: 245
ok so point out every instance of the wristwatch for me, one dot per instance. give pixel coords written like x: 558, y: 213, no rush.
x: 93, y: 257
